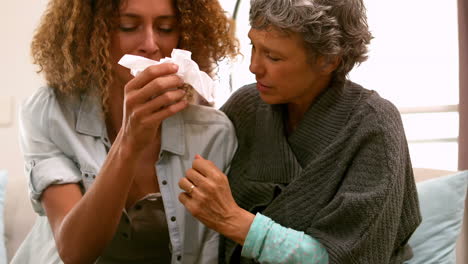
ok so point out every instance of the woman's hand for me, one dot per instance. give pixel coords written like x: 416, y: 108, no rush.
x: 150, y: 98
x: 208, y: 197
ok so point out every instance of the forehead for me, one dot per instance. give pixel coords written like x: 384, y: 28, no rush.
x: 150, y: 7
x: 272, y: 36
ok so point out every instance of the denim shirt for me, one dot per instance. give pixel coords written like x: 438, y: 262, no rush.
x: 66, y: 142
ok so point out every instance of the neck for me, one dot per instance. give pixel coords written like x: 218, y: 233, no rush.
x: 296, y: 110
x: 115, y: 112
x: 295, y: 115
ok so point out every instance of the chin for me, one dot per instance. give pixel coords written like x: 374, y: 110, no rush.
x: 270, y: 99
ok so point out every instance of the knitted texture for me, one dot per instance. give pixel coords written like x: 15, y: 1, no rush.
x: 344, y: 176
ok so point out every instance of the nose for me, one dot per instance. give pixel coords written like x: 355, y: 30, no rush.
x: 149, y: 44
x: 255, y: 64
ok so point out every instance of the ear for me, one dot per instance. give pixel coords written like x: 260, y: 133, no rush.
x: 328, y: 64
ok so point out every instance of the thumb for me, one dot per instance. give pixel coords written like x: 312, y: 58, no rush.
x: 198, y: 156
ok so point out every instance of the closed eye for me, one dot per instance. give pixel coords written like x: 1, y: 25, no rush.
x: 166, y: 30
x: 127, y: 29
x: 272, y: 58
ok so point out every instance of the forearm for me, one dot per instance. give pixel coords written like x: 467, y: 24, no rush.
x: 269, y: 242
x: 91, y: 223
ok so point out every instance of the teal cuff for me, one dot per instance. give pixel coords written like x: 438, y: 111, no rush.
x: 269, y: 242
x: 257, y: 233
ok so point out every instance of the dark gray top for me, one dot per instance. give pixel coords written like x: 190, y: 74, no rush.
x: 142, y: 235
x: 343, y: 177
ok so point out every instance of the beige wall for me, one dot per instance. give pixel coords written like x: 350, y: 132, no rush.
x: 18, y: 19
x: 17, y: 22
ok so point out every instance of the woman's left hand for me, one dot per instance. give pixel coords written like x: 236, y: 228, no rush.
x: 208, y: 197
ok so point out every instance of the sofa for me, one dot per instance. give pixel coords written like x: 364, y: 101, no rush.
x: 19, y: 216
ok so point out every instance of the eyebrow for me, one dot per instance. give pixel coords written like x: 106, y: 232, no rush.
x: 132, y: 15
x: 268, y: 49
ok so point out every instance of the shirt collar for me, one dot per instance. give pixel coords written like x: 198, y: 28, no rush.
x: 173, y: 134
x: 90, y: 120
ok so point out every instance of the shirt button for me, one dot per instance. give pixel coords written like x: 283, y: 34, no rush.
x: 179, y: 257
x: 164, y: 182
x: 173, y: 219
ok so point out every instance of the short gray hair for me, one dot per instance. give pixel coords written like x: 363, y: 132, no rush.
x: 329, y: 27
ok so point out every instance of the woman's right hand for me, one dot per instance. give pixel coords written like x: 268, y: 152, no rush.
x: 150, y: 98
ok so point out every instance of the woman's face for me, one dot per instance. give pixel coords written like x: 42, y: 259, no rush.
x: 147, y: 28
x: 283, y: 70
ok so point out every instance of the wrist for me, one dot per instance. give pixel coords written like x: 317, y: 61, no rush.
x: 125, y: 150
x: 237, y: 226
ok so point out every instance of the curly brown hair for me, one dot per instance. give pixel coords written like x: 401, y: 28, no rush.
x: 72, y: 43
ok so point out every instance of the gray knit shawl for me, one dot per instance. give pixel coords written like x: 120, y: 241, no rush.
x: 344, y: 176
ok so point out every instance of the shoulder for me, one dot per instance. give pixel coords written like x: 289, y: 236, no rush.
x: 243, y: 99
x: 36, y: 109
x: 44, y: 96
x: 198, y: 114
x: 245, y: 92
x: 44, y: 103
x: 376, y: 124
x: 207, y: 121
x: 45, y: 114
x: 383, y: 108
x: 209, y: 132
x: 374, y: 111
x: 242, y: 105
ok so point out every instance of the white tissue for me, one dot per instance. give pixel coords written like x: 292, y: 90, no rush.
x: 188, y: 70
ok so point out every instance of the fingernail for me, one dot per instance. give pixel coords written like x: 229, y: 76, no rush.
x: 175, y: 67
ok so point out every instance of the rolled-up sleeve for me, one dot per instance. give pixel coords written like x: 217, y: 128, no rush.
x: 45, y: 162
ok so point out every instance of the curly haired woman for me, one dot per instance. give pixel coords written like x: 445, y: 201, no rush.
x: 104, y: 151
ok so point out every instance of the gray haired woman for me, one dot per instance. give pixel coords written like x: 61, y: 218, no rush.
x: 322, y: 172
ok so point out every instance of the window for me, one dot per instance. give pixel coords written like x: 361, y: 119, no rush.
x: 413, y: 62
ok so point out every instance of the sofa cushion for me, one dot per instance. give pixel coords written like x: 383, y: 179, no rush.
x: 19, y: 216
x: 442, y: 201
x: 3, y: 182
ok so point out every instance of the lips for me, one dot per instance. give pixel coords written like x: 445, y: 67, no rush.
x: 262, y: 88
